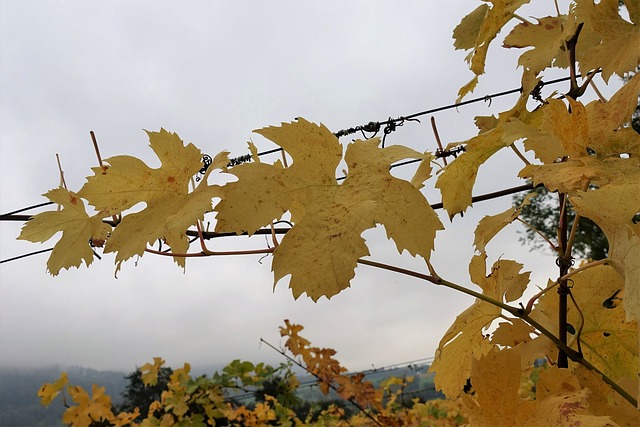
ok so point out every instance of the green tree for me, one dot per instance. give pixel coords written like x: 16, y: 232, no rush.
x: 542, y: 215
x: 141, y: 396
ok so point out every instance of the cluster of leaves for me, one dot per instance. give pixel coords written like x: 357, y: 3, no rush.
x: 542, y: 214
x: 202, y: 401
x: 586, y: 151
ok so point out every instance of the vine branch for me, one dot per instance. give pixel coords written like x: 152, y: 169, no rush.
x: 517, y: 312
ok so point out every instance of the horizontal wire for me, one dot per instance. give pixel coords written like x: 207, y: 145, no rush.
x: 375, y: 126
x: 25, y: 255
x: 267, y: 231
x: 371, y: 126
x: 28, y: 208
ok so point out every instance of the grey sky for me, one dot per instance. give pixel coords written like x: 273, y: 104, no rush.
x: 212, y: 72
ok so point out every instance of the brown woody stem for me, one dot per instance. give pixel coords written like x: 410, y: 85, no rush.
x: 515, y: 311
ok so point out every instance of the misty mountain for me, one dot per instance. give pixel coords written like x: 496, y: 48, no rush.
x: 20, y: 405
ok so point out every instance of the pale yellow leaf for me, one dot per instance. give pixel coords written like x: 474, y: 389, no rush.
x: 79, y: 231
x: 49, y: 391
x: 171, y: 208
x: 609, y: 341
x: 466, y: 33
x: 320, y: 252
x: 489, y: 226
x: 560, y: 400
x: 619, y: 49
x: 548, y: 38
x: 478, y: 29
x: 465, y: 341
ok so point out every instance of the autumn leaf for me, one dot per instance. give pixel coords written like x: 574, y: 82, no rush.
x: 170, y: 207
x: 600, y: 150
x: 321, y: 251
x: 322, y: 365
x: 465, y: 341
x: 548, y: 37
x: 49, y: 391
x: 560, y: 400
x: 88, y: 409
x: 79, y: 231
x: 458, y: 178
x: 477, y: 30
x: 363, y: 392
x: 489, y: 226
x: 295, y: 342
x: 604, y: 401
x: 608, y: 341
x: 613, y: 209
x: 150, y: 371
x: 618, y: 51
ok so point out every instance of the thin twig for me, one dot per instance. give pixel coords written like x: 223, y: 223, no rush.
x: 572, y: 234
x: 95, y: 146
x: 554, y: 247
x: 597, y: 91
x: 576, y: 337
x: 533, y: 299
x: 63, y: 183
x: 212, y: 253
x: 435, y: 133
x: 519, y: 154
x: 333, y: 387
x: 440, y: 281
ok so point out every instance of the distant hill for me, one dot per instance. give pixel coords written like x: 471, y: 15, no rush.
x: 20, y: 406
x: 19, y: 403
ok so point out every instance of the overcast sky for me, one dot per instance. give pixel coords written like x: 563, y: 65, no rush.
x: 212, y: 72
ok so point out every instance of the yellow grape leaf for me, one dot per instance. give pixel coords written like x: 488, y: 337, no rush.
x: 170, y: 208
x: 544, y: 145
x: 465, y: 35
x: 604, y: 401
x: 423, y: 172
x: 49, y: 391
x: 320, y: 252
x: 613, y: 208
x: 547, y: 37
x: 477, y: 30
x: 363, y: 392
x: 595, y: 127
x: 88, y: 410
x: 618, y: 51
x: 608, y: 341
x: 560, y: 400
x: 322, y: 365
x: 512, y: 333
x: 125, y: 419
x: 608, y: 133
x: 79, y: 231
x: 491, y: 225
x: 467, y: 88
x: 295, y: 343
x: 458, y: 177
x: 150, y: 371
x: 465, y: 341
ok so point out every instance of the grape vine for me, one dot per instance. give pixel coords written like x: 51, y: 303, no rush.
x: 585, y: 151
